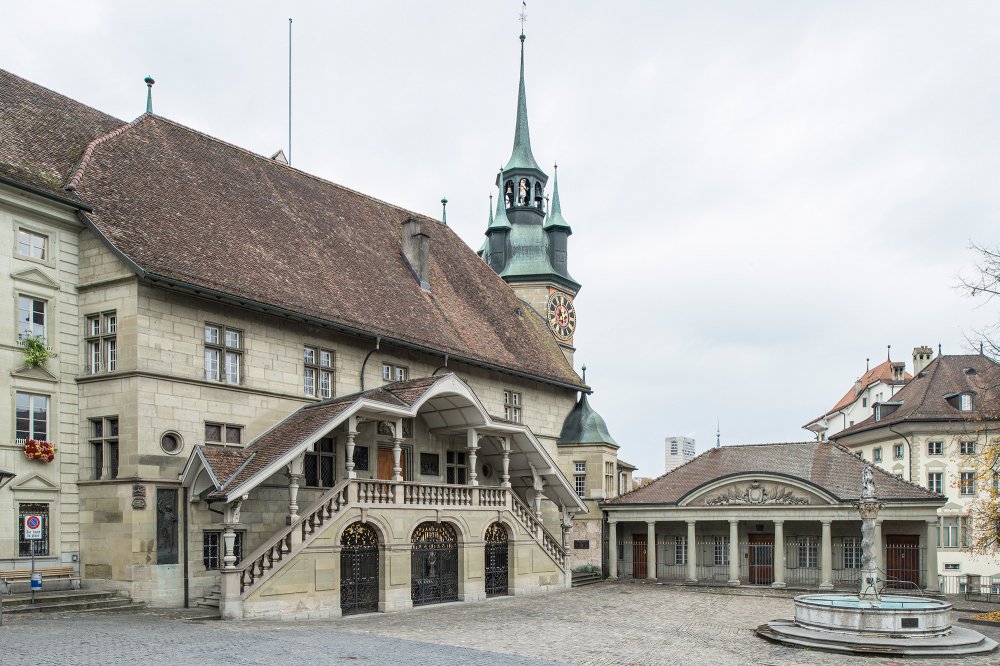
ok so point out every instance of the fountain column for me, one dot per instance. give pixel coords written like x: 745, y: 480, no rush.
x: 871, y: 538
x: 931, y: 584
x: 826, y: 557
x: 779, y: 554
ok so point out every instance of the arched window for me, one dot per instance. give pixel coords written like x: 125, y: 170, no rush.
x: 523, y: 192
x: 508, y: 194
x: 538, y: 196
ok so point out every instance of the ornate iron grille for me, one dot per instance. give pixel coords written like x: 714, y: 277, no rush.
x: 358, y: 570
x: 434, y: 564
x: 496, y: 560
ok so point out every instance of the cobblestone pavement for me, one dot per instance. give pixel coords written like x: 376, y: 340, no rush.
x: 610, y: 623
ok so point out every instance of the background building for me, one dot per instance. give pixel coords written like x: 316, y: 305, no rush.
x: 677, y: 451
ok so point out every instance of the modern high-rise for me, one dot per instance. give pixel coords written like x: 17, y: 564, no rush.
x: 677, y: 451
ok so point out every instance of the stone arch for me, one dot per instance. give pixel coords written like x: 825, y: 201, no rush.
x: 361, y: 568
x: 381, y: 528
x: 461, y: 527
x: 497, y: 560
x: 435, y: 558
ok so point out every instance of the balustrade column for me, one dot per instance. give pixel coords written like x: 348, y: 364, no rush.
x: 779, y: 554
x: 734, y: 552
x: 397, y: 452
x: 931, y: 584
x: 612, y: 549
x: 826, y: 557
x: 651, y: 549
x: 692, y: 554
x: 472, y: 444
x: 505, y: 476
x: 349, y: 451
x: 231, y: 519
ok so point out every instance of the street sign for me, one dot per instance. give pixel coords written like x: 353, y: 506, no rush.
x: 32, y: 527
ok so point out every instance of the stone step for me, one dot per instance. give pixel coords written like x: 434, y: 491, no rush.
x: 209, y: 602
x: 113, y: 603
x: 585, y: 578
x: 18, y: 600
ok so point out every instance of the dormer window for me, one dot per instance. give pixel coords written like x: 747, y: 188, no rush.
x: 965, y: 402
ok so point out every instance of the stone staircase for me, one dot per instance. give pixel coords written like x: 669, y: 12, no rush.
x: 212, y: 598
x: 581, y: 578
x: 75, y: 601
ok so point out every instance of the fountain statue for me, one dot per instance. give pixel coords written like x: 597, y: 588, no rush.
x: 872, y: 622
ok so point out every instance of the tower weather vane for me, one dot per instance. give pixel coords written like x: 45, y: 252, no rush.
x: 523, y: 16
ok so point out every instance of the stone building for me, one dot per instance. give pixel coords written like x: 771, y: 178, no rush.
x: 276, y: 391
x: 928, y: 433
x: 780, y: 515
x: 677, y: 451
x: 877, y: 384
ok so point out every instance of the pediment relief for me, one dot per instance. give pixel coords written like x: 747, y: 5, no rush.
x: 37, y: 277
x: 34, y: 483
x: 34, y: 372
x: 751, y: 492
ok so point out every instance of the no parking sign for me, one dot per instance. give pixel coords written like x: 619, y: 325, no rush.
x: 32, y: 527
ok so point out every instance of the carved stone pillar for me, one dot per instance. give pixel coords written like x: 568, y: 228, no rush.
x: 734, y: 552
x: 880, y: 553
x: 692, y: 555
x: 231, y: 518
x: 349, y: 454
x: 397, y: 451
x: 295, y: 478
x: 612, y: 549
x: 472, y: 444
x: 826, y: 557
x: 505, y: 476
x: 779, y: 554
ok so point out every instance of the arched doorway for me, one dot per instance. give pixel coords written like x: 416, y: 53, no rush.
x: 496, y: 560
x: 434, y: 564
x: 358, y: 570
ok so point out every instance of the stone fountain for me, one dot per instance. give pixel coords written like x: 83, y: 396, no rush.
x: 871, y: 622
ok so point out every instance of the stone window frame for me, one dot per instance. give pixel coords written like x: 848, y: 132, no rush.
x: 953, y: 532
x: 31, y: 233
x: 32, y: 433
x: 967, y: 483
x: 609, y: 478
x: 939, y: 486
x: 213, y: 548
x: 314, y: 367
x: 30, y: 326
x: 580, y: 477
x: 220, y: 345
x: 101, y: 342
x: 967, y: 447
x: 513, y: 405
x: 897, y: 452
x: 224, y: 433
x: 103, y: 439
x: 877, y: 454
x: 935, y: 448
x: 392, y: 372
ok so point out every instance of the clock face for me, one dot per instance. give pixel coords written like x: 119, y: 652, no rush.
x: 561, y: 315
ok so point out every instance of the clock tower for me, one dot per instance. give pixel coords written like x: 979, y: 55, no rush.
x: 527, y: 237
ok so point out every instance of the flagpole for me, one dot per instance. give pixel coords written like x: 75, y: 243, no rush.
x: 289, y: 92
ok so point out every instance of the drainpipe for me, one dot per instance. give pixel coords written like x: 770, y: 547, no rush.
x: 378, y: 343
x: 909, y: 449
x: 441, y: 367
x: 187, y: 550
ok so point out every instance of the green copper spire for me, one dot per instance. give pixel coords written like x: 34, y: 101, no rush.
x: 555, y: 218
x: 499, y: 221
x: 444, y: 211
x: 521, y: 157
x: 585, y: 426
x: 149, y: 93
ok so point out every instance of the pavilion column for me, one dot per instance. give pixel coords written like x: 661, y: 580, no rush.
x: 612, y: 549
x: 349, y: 451
x: 295, y: 477
x: 397, y: 451
x: 651, y: 550
x: 472, y: 444
x: 692, y: 555
x: 505, y: 476
x: 826, y: 557
x: 931, y: 584
x: 779, y: 554
x: 734, y: 552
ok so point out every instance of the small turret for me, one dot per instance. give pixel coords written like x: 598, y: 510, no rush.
x: 557, y: 231
x: 498, y: 235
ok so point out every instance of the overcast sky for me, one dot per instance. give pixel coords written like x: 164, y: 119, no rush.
x: 762, y: 194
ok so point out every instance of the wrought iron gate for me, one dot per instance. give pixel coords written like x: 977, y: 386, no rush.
x: 358, y: 570
x: 434, y: 564
x: 496, y: 560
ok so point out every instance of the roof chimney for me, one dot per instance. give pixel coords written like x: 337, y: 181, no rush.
x: 416, y: 251
x: 921, y: 359
x: 898, y: 371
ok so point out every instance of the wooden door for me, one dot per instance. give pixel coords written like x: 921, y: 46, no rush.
x: 761, y: 559
x: 902, y: 560
x: 639, y: 556
x: 384, y: 464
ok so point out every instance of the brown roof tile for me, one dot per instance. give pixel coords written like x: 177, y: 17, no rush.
x: 923, y: 398
x: 880, y: 373
x: 191, y: 208
x: 43, y: 134
x: 827, y: 465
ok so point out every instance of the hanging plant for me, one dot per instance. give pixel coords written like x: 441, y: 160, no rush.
x: 36, y: 351
x: 40, y: 451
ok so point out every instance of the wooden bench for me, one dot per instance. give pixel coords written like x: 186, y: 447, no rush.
x: 8, y: 577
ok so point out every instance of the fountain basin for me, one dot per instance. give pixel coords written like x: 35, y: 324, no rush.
x: 890, y: 616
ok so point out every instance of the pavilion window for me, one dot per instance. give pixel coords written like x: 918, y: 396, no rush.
x: 720, y: 551
x: 808, y: 552
x: 852, y: 553
x: 455, y: 467
x: 680, y: 550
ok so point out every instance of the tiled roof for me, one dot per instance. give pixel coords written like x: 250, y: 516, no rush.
x: 271, y: 234
x: 43, y: 134
x: 829, y: 466
x: 880, y: 373
x: 924, y: 397
x: 302, y: 424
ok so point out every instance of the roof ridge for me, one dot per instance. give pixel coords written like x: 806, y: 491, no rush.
x: 81, y: 166
x: 268, y: 160
x: 61, y: 95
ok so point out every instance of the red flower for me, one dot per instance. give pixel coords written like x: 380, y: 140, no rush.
x: 42, y: 451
